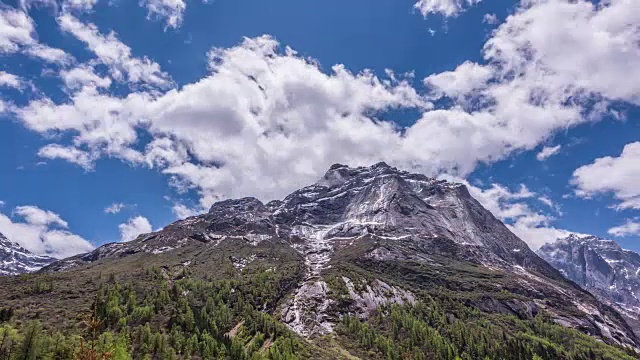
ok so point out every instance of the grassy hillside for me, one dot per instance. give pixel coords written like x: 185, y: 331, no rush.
x: 199, y: 302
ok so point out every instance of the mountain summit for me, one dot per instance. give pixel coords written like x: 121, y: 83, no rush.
x: 14, y: 259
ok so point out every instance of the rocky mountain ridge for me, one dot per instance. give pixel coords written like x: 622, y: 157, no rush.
x: 386, y: 235
x: 14, y: 259
x: 600, y: 266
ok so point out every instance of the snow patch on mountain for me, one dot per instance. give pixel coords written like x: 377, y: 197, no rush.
x: 14, y: 259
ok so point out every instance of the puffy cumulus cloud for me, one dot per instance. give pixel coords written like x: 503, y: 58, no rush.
x: 17, y: 34
x: 111, y: 52
x: 443, y: 7
x: 616, y: 175
x: 182, y: 211
x: 36, y: 216
x: 104, y: 124
x: 171, y: 11
x: 569, y: 47
x: 69, y: 154
x: 264, y: 122
x: 629, y: 228
x: 547, y: 152
x: 461, y: 82
x: 9, y: 80
x: 134, y: 227
x: 42, y: 232
x: 502, y: 202
x: 536, y: 233
x: 551, y: 65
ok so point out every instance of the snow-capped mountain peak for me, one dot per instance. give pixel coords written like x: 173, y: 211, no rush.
x: 14, y: 259
x: 385, y: 201
x: 600, y: 266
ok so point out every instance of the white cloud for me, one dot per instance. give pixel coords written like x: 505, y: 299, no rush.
x: 266, y: 121
x: 61, y: 5
x: 114, y: 208
x: 117, y: 56
x: 511, y: 207
x: 49, y: 54
x: 79, y: 4
x: 545, y: 200
x: 17, y: 33
x: 182, y: 211
x: 443, y: 7
x: 629, y: 228
x: 616, y: 175
x: 81, y: 76
x: 537, y: 234
x: 502, y: 202
x: 103, y: 123
x: 42, y: 232
x: 16, y: 29
x: 289, y: 112
x: 465, y: 79
x: 547, y: 152
x: 27, y: 4
x: 68, y: 153
x: 172, y: 11
x: 490, y: 19
x: 9, y: 80
x: 134, y: 227
x: 563, y: 47
x: 552, y: 65
x: 36, y: 216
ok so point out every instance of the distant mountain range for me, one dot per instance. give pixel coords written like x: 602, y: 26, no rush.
x: 14, y: 259
x: 600, y: 266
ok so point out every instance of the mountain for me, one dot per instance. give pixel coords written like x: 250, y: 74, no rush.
x: 369, y: 262
x: 600, y: 266
x: 15, y: 259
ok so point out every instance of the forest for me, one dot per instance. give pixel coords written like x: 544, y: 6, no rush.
x: 189, y: 318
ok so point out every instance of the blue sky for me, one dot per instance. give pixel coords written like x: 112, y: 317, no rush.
x: 165, y: 106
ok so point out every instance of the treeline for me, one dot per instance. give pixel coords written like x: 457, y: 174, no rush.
x: 160, y: 317
x: 185, y: 319
x: 421, y: 332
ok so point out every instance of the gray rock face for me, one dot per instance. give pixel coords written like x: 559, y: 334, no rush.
x: 384, y: 201
x: 390, y: 216
x: 14, y: 259
x: 600, y: 266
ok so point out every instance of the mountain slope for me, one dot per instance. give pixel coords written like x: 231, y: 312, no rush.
x: 15, y: 259
x: 600, y: 266
x: 363, y: 263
